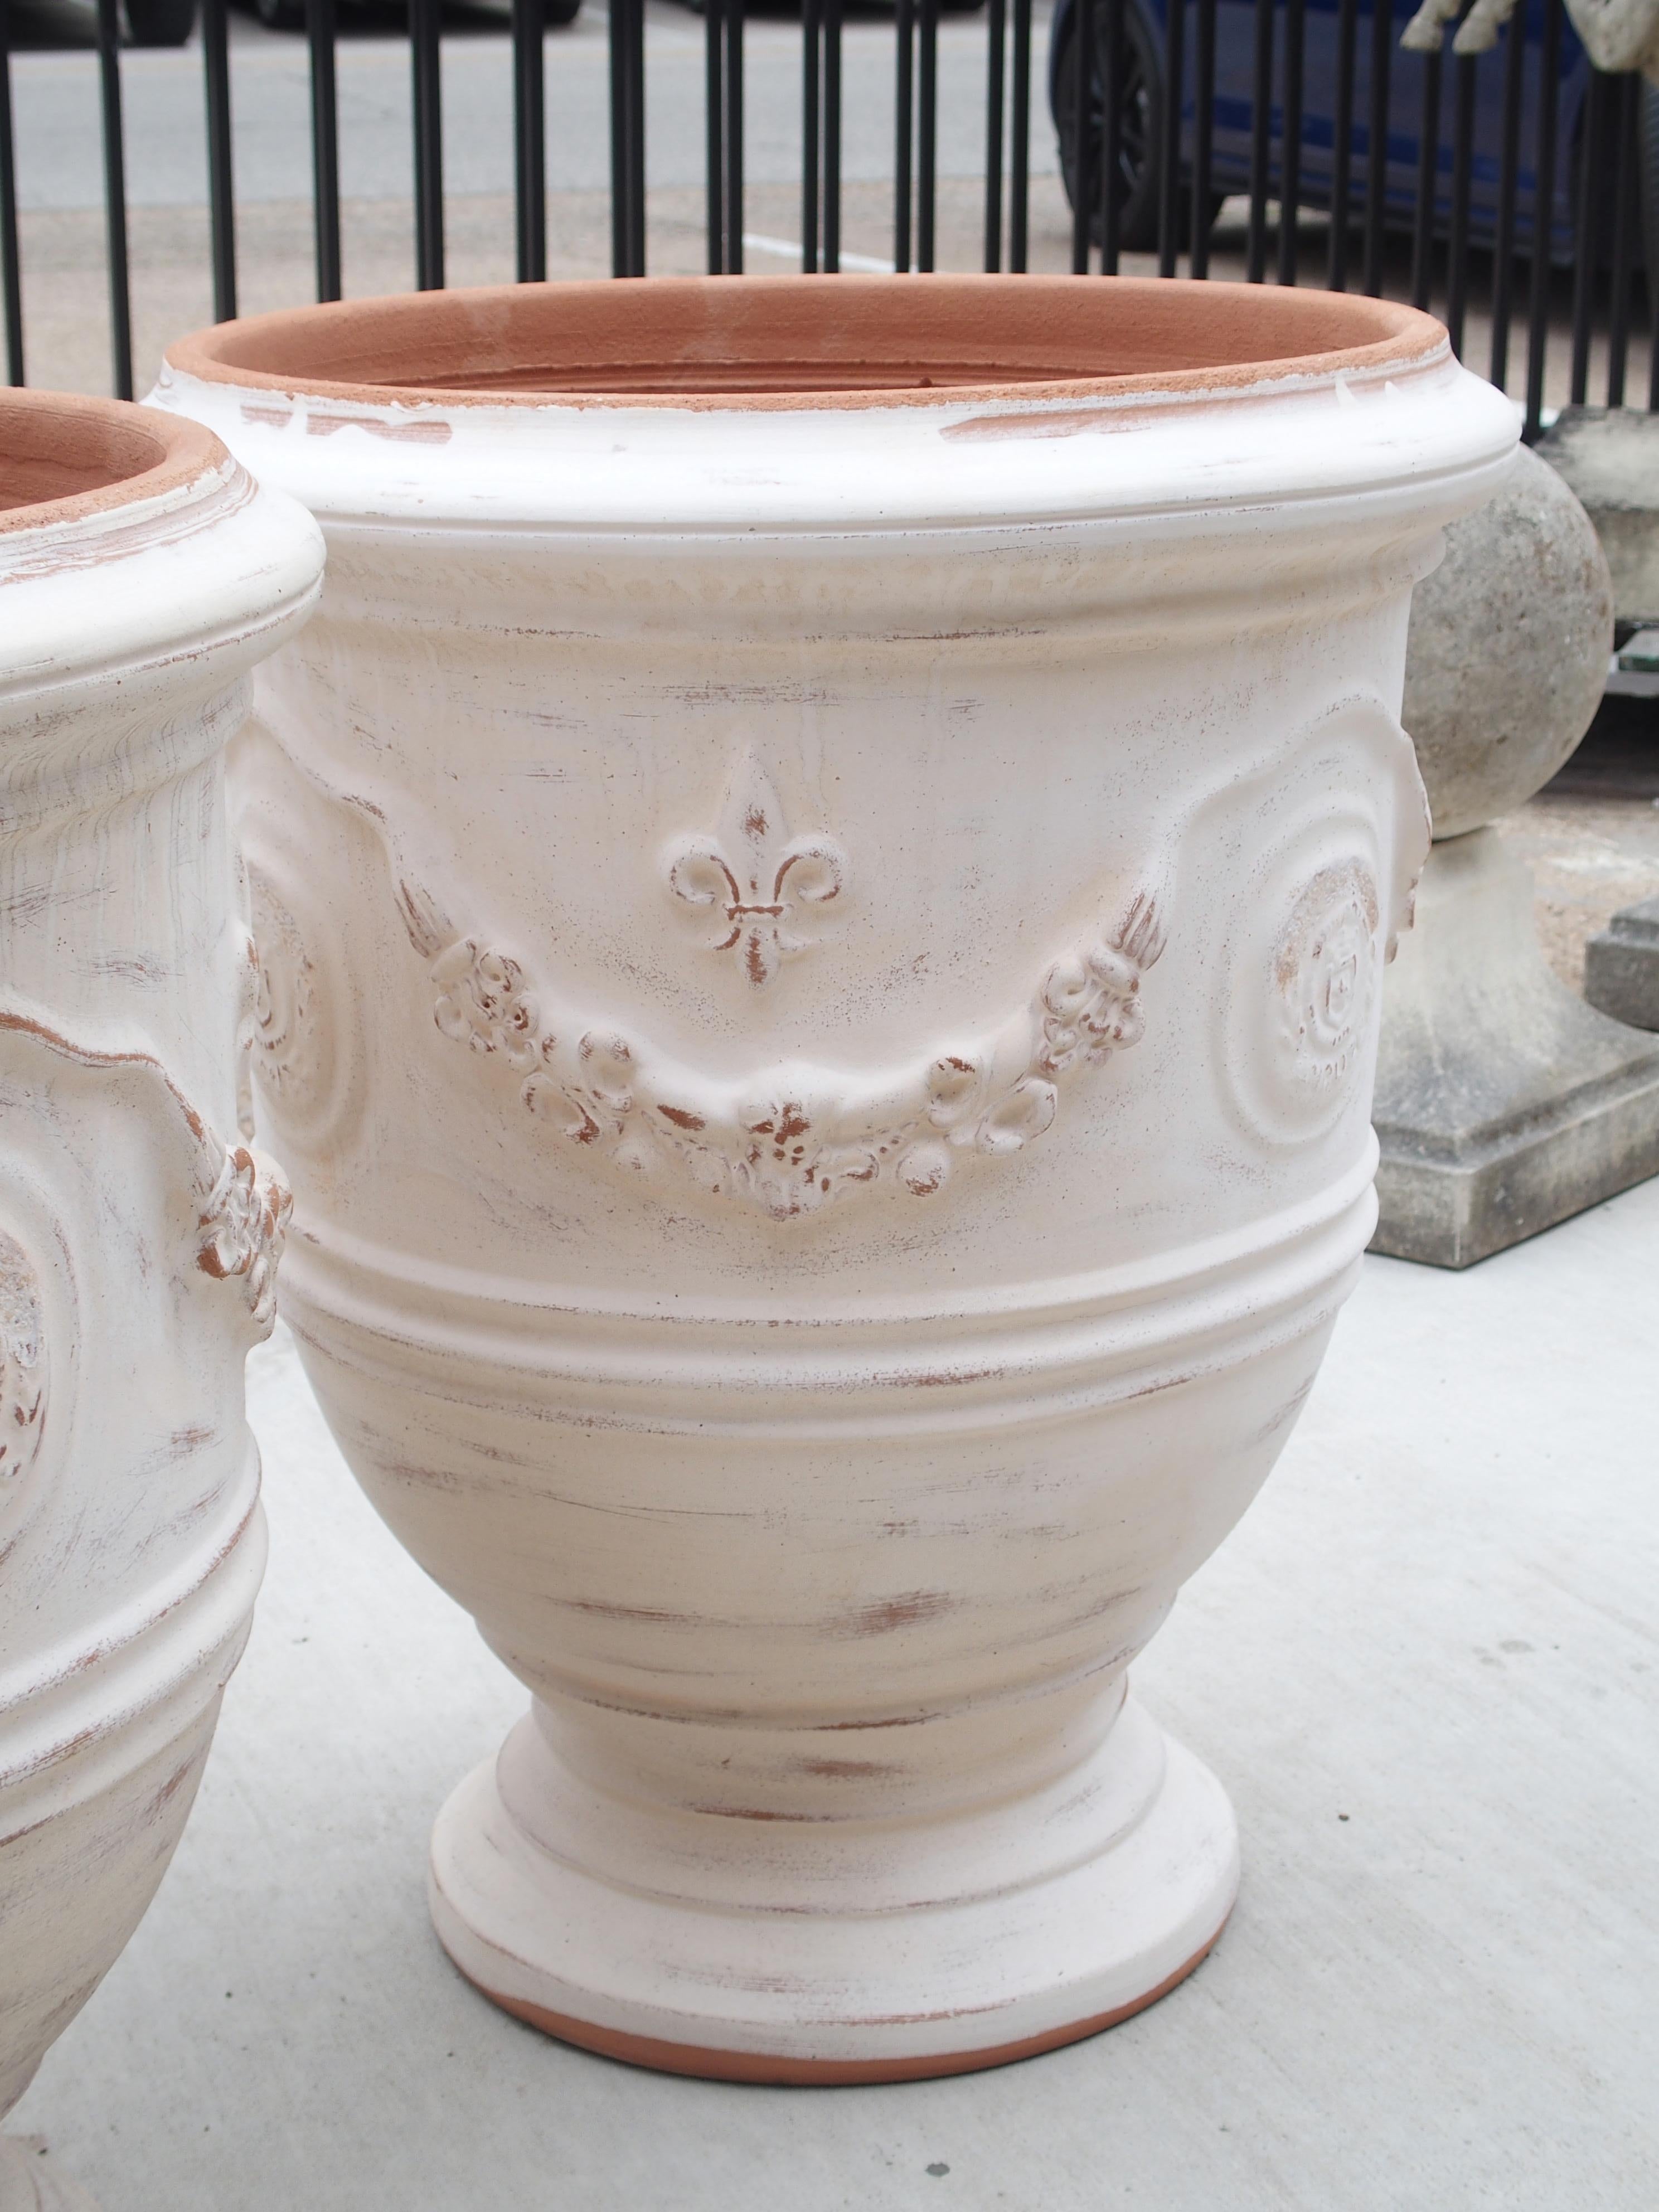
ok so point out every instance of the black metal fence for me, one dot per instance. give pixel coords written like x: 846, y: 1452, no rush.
x: 1521, y: 159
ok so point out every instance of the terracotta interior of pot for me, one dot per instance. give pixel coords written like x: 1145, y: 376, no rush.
x: 58, y: 449
x: 723, y: 336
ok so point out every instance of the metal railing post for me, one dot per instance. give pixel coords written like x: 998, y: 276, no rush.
x: 324, y: 146
x: 115, y: 199
x: 11, y: 263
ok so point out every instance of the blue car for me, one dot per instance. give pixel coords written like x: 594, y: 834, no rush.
x: 1141, y: 107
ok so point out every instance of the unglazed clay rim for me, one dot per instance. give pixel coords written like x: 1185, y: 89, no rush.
x: 180, y: 452
x: 1409, y: 340
x: 760, y: 2069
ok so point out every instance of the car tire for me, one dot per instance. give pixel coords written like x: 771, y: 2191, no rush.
x: 557, y: 13
x: 159, y: 23
x: 1141, y: 130
x: 280, y: 14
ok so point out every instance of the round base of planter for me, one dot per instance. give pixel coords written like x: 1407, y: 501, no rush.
x: 827, y: 1992
x: 29, y: 2182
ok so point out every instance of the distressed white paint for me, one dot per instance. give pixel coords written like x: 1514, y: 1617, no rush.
x: 138, y: 1237
x: 817, y: 1371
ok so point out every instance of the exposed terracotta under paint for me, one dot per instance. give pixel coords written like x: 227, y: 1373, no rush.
x: 790, y: 341
x: 81, y: 457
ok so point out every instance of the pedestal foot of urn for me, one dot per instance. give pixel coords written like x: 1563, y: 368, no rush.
x: 30, y: 2183
x: 1503, y: 1104
x: 835, y: 1952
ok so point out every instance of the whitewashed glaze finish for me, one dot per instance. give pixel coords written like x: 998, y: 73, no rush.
x: 815, y: 1317
x: 139, y: 1234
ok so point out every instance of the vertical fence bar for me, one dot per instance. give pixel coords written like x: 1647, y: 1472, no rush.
x: 1262, y: 107
x: 530, y: 139
x: 1203, y: 134
x: 1169, y: 180
x: 1458, y: 252
x: 636, y: 130
x: 1111, y: 132
x: 1592, y: 156
x: 325, y: 148
x: 221, y: 205
x: 926, y: 132
x: 1347, y: 24
x: 1508, y: 172
x: 626, y: 30
x: 616, y: 40
x: 1629, y: 110
x: 115, y: 199
x: 1428, y: 180
x: 11, y: 263
x: 1083, y: 197
x: 734, y: 13
x: 996, y: 92
x: 812, y: 98
x: 1377, y: 144
x: 713, y: 117
x: 1543, y: 220
x: 1289, y: 159
x: 1019, y: 144
x: 832, y: 138
x: 425, y: 22
x: 904, y: 100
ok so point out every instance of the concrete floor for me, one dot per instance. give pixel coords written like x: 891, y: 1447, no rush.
x: 1425, y: 1666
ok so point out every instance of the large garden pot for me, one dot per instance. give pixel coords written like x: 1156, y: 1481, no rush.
x: 142, y: 574
x: 821, y: 881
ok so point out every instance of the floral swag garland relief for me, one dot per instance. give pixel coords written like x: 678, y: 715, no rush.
x: 790, y: 1141
x: 243, y: 1206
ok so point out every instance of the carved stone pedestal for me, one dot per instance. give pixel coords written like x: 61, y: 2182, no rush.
x: 1503, y: 1104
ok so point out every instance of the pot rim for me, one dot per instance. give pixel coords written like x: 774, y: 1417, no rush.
x: 64, y: 456
x: 931, y: 341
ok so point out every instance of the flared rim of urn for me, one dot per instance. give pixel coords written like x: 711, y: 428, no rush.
x: 792, y: 343
x: 63, y: 456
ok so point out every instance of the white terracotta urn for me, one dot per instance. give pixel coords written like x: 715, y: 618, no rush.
x: 821, y: 881
x: 142, y: 575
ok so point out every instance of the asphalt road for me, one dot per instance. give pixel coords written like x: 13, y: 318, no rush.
x: 59, y: 158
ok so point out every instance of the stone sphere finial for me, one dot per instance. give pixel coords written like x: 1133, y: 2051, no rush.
x: 1508, y: 649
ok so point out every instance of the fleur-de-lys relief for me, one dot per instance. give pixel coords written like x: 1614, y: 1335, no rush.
x: 755, y: 877
x: 791, y: 1140
x: 243, y: 1204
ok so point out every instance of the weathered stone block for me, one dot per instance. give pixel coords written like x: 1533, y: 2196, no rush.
x: 1503, y: 1104
x: 1621, y: 967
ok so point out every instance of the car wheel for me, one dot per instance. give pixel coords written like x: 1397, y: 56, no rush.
x: 159, y: 23
x: 1141, y: 126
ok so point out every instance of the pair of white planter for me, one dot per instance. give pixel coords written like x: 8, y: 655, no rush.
x: 821, y: 880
